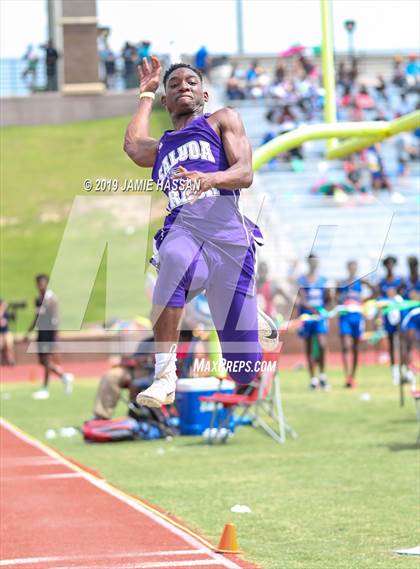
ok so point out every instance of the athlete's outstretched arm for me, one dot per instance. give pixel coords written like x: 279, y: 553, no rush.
x: 138, y: 144
x: 238, y: 153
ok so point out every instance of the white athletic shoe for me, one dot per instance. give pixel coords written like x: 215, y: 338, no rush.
x: 161, y: 392
x: 68, y: 379
x: 313, y: 384
x: 395, y: 370
x: 323, y: 382
x: 268, y: 334
x: 411, y: 377
x: 41, y: 394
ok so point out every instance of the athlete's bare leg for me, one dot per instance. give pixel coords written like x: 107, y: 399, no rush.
x: 308, y: 353
x: 166, y: 326
x: 355, y: 354
x: 344, y: 353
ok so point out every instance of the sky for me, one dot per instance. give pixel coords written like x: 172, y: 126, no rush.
x: 269, y: 25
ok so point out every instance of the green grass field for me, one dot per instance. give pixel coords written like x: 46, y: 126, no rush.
x: 342, y: 496
x: 43, y: 171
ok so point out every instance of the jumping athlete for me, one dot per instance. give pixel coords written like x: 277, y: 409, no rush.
x: 205, y: 243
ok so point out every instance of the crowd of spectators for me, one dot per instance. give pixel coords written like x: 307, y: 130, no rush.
x: 293, y: 95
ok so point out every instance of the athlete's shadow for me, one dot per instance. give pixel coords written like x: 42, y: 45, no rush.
x: 399, y: 447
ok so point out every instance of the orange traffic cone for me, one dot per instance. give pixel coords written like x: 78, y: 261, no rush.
x: 229, y: 541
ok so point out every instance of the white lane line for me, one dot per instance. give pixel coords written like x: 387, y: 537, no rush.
x: 104, y: 486
x: 172, y: 553
x: 43, y: 476
x: 155, y: 565
x: 29, y: 461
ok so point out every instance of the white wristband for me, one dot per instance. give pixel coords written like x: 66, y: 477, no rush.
x: 148, y: 94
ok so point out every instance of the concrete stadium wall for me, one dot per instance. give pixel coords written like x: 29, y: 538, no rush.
x: 55, y: 108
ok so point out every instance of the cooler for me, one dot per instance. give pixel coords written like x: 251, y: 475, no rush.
x: 195, y: 415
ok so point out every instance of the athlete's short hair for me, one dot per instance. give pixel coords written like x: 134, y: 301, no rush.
x: 389, y: 259
x: 42, y: 277
x: 176, y: 66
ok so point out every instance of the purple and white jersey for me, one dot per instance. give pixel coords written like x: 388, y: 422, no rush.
x: 216, y: 215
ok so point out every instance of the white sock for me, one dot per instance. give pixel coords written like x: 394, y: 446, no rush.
x: 165, y: 362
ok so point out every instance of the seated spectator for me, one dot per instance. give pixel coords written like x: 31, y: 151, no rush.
x: 234, y: 91
x: 353, y: 169
x: 406, y: 151
x: 379, y: 177
x: 380, y: 87
x: 398, y: 73
x: 279, y: 73
x: 135, y: 373
x: 363, y: 100
x: 235, y: 85
x: 121, y: 376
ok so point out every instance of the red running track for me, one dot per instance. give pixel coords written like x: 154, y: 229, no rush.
x: 54, y: 515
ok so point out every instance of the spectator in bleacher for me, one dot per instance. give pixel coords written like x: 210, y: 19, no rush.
x: 380, y: 88
x: 7, y: 353
x: 279, y: 73
x: 412, y: 70
x: 353, y: 169
x: 252, y: 72
x: 51, y: 57
x: 235, y: 86
x: 406, y: 151
x: 305, y: 68
x: 363, y: 99
x: 202, y: 60
x: 143, y: 50
x: 398, y: 72
x: 379, y: 177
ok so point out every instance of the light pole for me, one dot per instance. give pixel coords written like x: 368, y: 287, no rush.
x: 239, y: 27
x: 350, y: 26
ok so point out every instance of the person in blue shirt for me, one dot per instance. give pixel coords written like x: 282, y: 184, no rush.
x: 388, y: 288
x: 313, y: 296
x: 202, y: 59
x: 351, y: 322
x: 410, y: 319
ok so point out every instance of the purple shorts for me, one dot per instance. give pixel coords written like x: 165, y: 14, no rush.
x: 188, y: 266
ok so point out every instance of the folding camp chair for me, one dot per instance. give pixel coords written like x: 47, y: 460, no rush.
x: 262, y: 398
x: 416, y: 397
